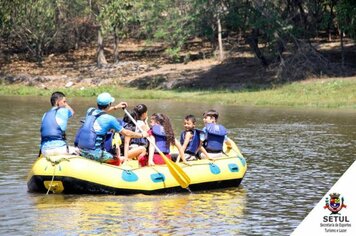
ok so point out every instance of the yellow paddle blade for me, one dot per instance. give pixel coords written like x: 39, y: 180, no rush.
x: 176, y: 171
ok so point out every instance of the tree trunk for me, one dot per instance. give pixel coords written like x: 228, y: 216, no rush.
x: 76, y: 37
x: 101, y: 60
x: 330, y: 22
x: 252, y: 40
x: 342, y: 48
x: 221, y: 50
x: 116, y: 47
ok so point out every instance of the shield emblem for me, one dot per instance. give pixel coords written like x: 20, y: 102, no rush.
x: 335, y: 203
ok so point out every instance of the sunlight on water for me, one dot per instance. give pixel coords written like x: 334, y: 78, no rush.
x: 159, y: 214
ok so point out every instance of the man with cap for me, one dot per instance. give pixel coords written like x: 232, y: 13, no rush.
x: 91, y: 136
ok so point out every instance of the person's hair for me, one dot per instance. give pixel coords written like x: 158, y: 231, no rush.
x: 136, y: 113
x: 103, y: 107
x: 166, y: 123
x: 139, y: 110
x: 212, y: 113
x: 55, y: 97
x: 191, y: 118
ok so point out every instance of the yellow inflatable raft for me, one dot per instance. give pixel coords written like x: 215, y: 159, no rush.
x: 75, y: 174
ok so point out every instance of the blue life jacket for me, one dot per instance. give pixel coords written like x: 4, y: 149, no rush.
x: 86, y: 137
x: 161, y: 138
x: 50, y: 130
x: 138, y: 141
x: 108, y: 143
x: 193, y: 145
x: 215, y: 137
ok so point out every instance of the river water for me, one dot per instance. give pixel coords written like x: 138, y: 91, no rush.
x: 294, y: 156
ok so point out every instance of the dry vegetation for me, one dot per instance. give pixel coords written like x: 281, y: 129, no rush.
x: 145, y: 66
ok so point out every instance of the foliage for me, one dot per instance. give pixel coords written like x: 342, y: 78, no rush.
x: 346, y: 16
x: 34, y: 24
x: 117, y: 15
x: 42, y: 26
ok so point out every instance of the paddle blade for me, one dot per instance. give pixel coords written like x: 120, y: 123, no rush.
x: 176, y: 171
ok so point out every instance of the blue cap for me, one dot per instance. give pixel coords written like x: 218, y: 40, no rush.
x: 104, y: 99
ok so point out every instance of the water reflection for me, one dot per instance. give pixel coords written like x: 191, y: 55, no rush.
x: 294, y: 157
x: 159, y: 214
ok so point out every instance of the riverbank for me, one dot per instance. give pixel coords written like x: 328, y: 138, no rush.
x: 318, y: 93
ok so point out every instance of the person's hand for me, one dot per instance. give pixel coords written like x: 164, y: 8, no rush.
x: 145, y: 134
x: 151, y: 163
x: 122, y: 105
x: 62, y: 103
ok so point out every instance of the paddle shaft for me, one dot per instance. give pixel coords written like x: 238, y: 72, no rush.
x: 177, y: 172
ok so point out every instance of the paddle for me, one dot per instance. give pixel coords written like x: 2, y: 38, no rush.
x: 176, y: 171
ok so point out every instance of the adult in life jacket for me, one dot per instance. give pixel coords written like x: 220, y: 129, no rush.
x: 91, y: 136
x: 190, y: 139
x: 135, y: 147
x: 214, y: 135
x: 53, y: 127
x: 161, y: 133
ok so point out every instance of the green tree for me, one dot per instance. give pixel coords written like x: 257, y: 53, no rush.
x: 117, y: 17
x: 167, y: 21
x: 34, y: 24
x: 346, y: 18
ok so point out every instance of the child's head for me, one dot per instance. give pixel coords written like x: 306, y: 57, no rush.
x: 161, y: 119
x: 156, y: 118
x: 141, y: 111
x: 189, y: 122
x: 210, y: 116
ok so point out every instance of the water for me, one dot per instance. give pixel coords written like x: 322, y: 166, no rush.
x: 294, y: 157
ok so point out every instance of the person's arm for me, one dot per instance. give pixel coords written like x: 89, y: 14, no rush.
x: 228, y: 143
x: 181, y: 152
x: 132, y: 134
x: 151, y: 151
x: 66, y: 105
x: 63, y: 103
x: 126, y: 147
x: 206, y: 155
x: 187, y: 138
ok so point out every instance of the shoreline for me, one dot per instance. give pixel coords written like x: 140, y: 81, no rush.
x: 325, y: 93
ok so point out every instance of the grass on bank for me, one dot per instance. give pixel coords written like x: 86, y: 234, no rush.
x: 329, y: 93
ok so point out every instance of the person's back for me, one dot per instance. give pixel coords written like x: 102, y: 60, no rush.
x: 53, y: 127
x: 91, y: 136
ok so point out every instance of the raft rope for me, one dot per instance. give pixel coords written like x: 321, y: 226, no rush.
x: 50, y: 185
x: 54, y: 163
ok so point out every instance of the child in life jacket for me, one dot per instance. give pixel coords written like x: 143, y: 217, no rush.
x: 135, y: 147
x: 190, y: 139
x: 214, y: 135
x: 161, y: 133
